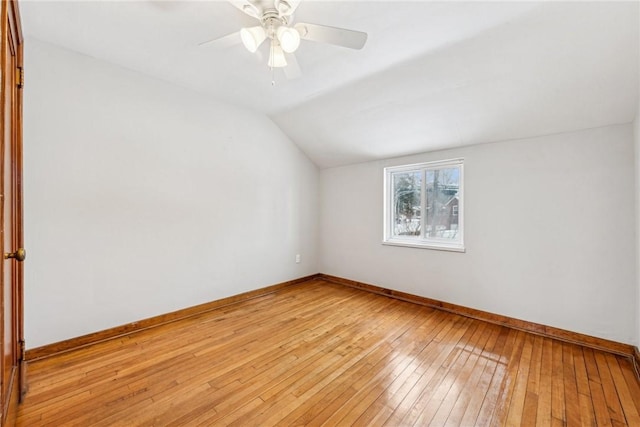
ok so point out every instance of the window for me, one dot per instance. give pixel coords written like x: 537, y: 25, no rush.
x: 424, y: 205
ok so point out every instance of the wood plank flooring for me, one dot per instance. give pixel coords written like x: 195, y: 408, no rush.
x: 325, y: 354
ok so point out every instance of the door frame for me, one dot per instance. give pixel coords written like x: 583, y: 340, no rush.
x: 12, y: 31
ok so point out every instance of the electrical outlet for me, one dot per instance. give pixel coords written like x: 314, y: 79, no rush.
x: 297, y: 258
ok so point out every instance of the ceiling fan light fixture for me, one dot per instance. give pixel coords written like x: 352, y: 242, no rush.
x: 252, y: 37
x: 289, y: 38
x: 276, y: 57
x: 251, y: 10
x: 283, y: 7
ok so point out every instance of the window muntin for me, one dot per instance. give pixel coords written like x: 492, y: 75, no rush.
x: 434, y: 188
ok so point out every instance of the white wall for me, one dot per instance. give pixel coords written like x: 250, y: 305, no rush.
x: 636, y: 136
x: 143, y: 197
x: 549, y: 232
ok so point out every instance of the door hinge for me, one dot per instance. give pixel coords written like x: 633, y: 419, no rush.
x: 20, y: 77
x: 22, y: 350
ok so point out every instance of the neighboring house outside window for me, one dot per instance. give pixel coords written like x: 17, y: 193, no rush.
x: 435, y: 188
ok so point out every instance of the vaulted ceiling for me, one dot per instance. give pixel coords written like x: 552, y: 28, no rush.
x: 432, y: 75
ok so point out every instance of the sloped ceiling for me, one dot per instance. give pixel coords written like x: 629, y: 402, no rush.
x: 433, y: 75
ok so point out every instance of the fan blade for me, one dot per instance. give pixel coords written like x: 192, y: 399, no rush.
x: 224, y: 41
x: 286, y: 7
x: 259, y: 57
x: 247, y: 7
x: 292, y: 70
x: 338, y: 36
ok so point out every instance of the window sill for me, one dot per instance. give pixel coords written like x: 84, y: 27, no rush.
x: 451, y: 247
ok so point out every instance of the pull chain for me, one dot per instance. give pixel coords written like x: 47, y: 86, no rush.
x: 271, y: 55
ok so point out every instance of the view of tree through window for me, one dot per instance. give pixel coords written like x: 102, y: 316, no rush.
x: 442, y: 197
x: 407, y: 189
x: 424, y: 205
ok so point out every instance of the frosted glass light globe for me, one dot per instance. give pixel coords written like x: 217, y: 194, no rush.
x: 289, y: 38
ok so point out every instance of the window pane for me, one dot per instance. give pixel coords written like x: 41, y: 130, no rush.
x: 406, y: 203
x: 442, y: 203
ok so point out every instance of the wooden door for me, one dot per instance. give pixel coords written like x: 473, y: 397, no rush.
x: 11, y: 271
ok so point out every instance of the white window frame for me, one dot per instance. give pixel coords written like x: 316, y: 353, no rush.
x: 422, y: 241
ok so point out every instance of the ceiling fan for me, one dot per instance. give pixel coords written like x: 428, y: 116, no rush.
x: 275, y: 18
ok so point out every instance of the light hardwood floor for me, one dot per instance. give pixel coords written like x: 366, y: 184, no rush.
x: 321, y: 353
